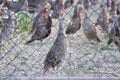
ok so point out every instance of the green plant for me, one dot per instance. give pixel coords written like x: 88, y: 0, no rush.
x: 24, y: 22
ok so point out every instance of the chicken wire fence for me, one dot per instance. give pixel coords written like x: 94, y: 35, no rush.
x: 84, y: 58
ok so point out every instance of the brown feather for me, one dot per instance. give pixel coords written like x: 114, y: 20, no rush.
x: 115, y: 33
x: 58, y: 10
x: 42, y: 31
x: 103, y: 21
x: 68, y: 3
x: 57, y: 51
x: 39, y: 19
x: 21, y: 5
x: 7, y: 29
x: 89, y: 30
x: 76, y: 22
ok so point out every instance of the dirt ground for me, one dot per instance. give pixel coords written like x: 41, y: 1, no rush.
x: 85, y: 59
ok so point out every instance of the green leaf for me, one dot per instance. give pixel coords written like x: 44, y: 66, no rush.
x: 24, y: 23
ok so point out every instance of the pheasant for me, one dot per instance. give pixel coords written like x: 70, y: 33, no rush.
x: 21, y: 5
x: 33, y: 3
x: 58, y: 9
x: 57, y: 52
x: 114, y: 35
x: 118, y: 8
x: 75, y: 24
x: 89, y: 29
x: 103, y: 21
x: 25, y: 5
x: 113, y: 10
x: 86, y: 4
x: 8, y: 28
x: 114, y: 7
x: 52, y: 3
x: 2, y: 12
x: 68, y: 3
x: 42, y: 31
x: 39, y: 19
x: 1, y: 3
x: 80, y: 5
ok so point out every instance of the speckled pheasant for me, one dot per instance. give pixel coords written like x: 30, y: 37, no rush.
x: 86, y: 4
x: 114, y: 7
x: 58, y: 51
x: 7, y: 29
x: 68, y: 3
x: 80, y: 4
x: 58, y: 9
x: 52, y: 3
x: 113, y: 10
x: 39, y: 19
x: 89, y: 29
x: 2, y: 12
x: 33, y: 3
x: 1, y: 3
x: 25, y: 5
x: 118, y: 8
x: 114, y: 35
x: 75, y: 23
x: 42, y: 31
x: 103, y: 21
x: 21, y: 5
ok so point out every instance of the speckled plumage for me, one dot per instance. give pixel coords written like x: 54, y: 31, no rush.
x: 57, y: 51
x: 7, y: 29
x: 58, y: 9
x: 114, y: 35
x: 68, y: 3
x: 75, y: 23
x: 42, y: 31
x: 89, y: 29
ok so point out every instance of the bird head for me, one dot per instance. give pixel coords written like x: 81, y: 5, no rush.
x: 46, y: 4
x: 44, y: 12
x: 80, y: 5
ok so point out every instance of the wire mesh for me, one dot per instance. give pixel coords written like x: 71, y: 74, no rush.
x: 85, y: 58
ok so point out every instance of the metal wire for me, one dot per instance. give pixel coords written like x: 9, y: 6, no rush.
x: 85, y: 58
